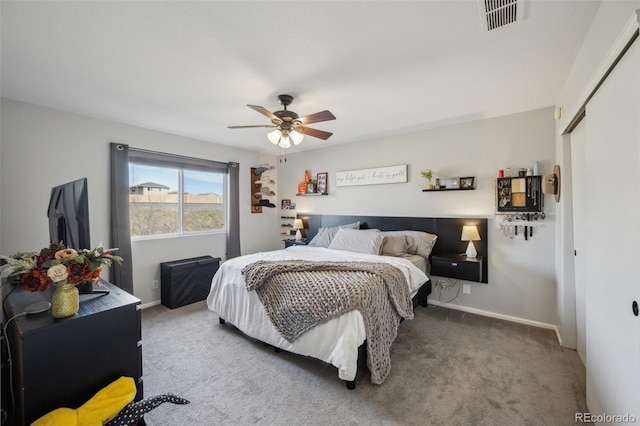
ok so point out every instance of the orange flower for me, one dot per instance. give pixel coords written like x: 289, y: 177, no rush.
x: 79, y: 272
x: 35, y: 280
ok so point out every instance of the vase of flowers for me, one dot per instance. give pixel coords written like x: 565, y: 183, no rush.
x: 63, y: 268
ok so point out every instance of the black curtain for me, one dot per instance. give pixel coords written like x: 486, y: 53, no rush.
x: 121, y: 275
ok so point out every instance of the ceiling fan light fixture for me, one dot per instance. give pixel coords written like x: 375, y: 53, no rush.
x: 274, y: 136
x: 296, y: 137
x: 289, y: 127
x: 285, y: 141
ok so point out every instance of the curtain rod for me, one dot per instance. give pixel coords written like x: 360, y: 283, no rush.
x: 179, y: 156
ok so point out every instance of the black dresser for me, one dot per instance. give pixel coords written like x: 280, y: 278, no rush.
x: 64, y: 362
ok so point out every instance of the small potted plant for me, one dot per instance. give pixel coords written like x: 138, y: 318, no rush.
x: 428, y: 174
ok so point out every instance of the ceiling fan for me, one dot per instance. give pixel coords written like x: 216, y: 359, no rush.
x: 289, y: 127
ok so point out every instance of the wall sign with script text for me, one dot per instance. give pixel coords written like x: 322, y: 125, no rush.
x: 376, y: 176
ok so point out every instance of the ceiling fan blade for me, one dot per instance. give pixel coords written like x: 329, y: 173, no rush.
x: 320, y: 134
x: 317, y: 117
x: 256, y: 125
x: 265, y: 112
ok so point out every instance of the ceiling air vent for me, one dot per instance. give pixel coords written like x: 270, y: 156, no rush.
x: 498, y: 13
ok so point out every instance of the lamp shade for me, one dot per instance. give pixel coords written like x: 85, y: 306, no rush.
x: 470, y: 233
x: 274, y: 136
x: 298, y: 224
x: 283, y: 138
x: 296, y: 136
x: 285, y: 141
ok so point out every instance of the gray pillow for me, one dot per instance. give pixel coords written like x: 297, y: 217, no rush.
x: 394, y: 244
x: 418, y: 242
x: 325, y: 235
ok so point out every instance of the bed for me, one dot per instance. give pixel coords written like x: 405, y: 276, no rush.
x: 342, y: 340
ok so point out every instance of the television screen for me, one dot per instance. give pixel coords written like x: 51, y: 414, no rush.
x: 68, y: 215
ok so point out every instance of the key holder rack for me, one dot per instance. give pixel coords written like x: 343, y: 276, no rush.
x: 522, y: 225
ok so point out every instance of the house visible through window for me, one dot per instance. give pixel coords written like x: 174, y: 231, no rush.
x: 172, y: 199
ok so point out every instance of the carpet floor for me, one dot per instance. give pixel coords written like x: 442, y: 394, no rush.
x: 447, y: 368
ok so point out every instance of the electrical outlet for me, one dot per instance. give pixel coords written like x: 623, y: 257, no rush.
x: 154, y: 284
x: 466, y: 288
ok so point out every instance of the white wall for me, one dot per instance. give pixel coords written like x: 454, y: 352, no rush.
x: 521, y: 273
x: 42, y: 147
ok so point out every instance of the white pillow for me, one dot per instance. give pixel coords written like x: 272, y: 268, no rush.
x: 418, y: 242
x: 368, y: 241
x: 325, y: 235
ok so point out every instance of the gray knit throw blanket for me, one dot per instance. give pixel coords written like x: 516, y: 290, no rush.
x: 297, y: 295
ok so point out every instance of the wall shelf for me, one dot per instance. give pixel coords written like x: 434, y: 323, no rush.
x: 312, y: 194
x: 447, y: 189
x: 257, y: 201
x: 255, y: 186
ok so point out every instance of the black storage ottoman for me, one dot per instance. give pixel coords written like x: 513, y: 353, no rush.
x: 186, y: 281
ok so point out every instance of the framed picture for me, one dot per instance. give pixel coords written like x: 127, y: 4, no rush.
x: 467, y: 182
x: 321, y: 182
x: 286, y: 204
x: 449, y: 183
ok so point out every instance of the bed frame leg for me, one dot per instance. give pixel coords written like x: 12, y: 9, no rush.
x: 221, y: 320
x: 351, y: 384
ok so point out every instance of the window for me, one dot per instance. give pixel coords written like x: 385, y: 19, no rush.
x: 203, y: 203
x: 172, y: 198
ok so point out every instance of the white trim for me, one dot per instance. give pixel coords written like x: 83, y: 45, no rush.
x: 498, y: 316
x: 609, y: 59
x: 150, y: 304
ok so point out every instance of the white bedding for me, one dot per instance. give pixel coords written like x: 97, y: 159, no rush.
x: 335, y: 342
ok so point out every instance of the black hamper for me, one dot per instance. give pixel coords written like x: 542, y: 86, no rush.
x: 186, y: 281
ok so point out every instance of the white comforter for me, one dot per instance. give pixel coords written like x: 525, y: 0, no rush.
x: 335, y: 342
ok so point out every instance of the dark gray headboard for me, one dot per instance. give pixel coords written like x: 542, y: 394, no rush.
x: 448, y: 230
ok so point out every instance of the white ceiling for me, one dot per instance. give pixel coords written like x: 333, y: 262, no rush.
x: 381, y: 67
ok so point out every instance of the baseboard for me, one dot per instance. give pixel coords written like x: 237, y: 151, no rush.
x: 498, y: 316
x: 150, y: 304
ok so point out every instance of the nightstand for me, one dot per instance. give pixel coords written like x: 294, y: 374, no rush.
x: 459, y: 266
x: 289, y: 243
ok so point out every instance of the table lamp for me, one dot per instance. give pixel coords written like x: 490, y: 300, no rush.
x: 298, y: 224
x: 470, y: 233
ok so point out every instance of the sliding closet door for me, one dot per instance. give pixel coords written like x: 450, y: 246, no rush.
x: 580, y: 208
x: 613, y: 240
